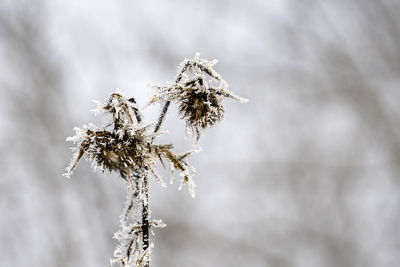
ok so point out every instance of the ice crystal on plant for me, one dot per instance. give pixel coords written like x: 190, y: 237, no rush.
x: 128, y: 250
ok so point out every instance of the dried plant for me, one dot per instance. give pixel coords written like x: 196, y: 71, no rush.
x: 198, y: 89
x: 126, y: 145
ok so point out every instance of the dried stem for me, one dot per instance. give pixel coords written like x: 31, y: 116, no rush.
x: 145, y: 215
x: 162, y: 116
x: 166, y: 105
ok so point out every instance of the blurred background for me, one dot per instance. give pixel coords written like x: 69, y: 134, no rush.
x: 305, y: 174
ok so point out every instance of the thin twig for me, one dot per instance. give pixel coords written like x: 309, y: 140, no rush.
x: 162, y: 115
x: 145, y: 216
x: 166, y: 105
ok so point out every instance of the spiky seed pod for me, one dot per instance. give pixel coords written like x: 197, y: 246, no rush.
x: 128, y: 148
x: 198, y: 89
x: 201, y: 109
x: 125, y: 150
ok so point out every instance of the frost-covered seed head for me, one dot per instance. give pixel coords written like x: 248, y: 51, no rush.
x: 128, y: 148
x: 125, y: 150
x: 198, y: 89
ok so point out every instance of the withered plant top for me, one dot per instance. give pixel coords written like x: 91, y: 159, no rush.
x: 198, y: 89
x: 128, y: 148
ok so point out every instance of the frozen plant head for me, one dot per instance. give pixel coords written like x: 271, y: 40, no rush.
x: 128, y: 148
x: 124, y: 150
x: 198, y: 90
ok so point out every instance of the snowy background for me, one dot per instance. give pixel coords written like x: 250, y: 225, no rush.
x: 305, y: 174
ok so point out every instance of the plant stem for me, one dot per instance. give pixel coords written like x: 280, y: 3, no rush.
x: 145, y: 200
x: 162, y: 115
x: 166, y: 105
x: 145, y: 215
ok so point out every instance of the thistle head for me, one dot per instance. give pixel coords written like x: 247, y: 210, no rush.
x: 124, y: 150
x: 198, y: 90
x: 128, y: 148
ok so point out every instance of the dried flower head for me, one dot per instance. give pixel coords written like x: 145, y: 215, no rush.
x: 124, y: 150
x: 198, y: 89
x: 128, y: 148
